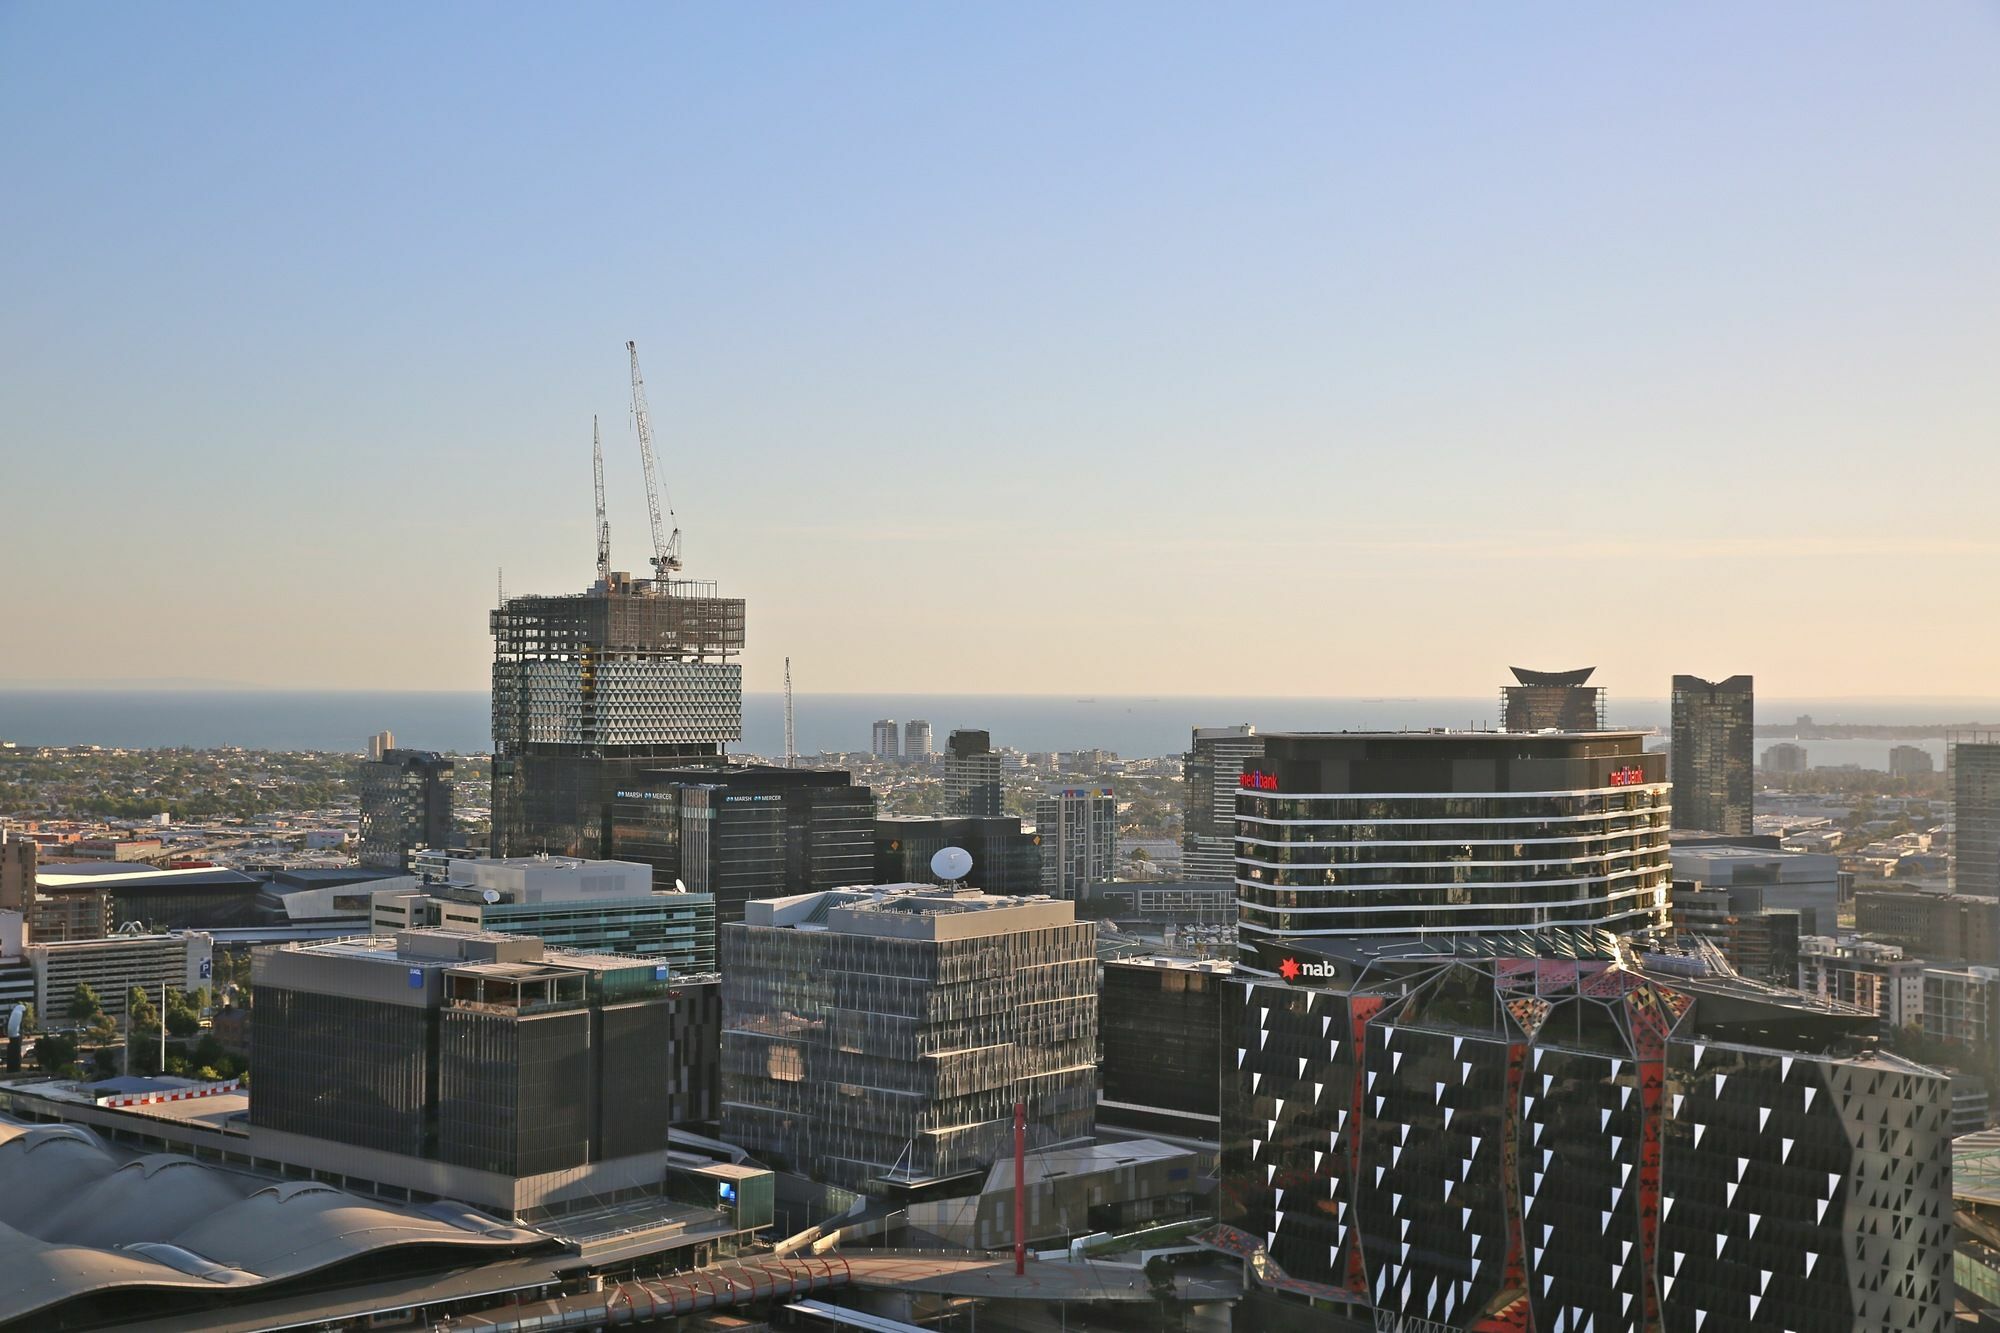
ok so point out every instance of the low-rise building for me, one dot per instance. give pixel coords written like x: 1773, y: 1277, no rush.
x: 567, y: 903
x: 1867, y: 974
x: 455, y: 1064
x: 1804, y: 882
x: 1940, y: 926
x: 112, y: 966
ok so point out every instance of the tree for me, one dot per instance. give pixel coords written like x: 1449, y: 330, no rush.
x: 183, y: 1018
x: 55, y: 1052
x: 84, y: 1006
x: 142, y: 1033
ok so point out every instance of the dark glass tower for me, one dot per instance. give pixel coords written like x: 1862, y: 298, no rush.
x: 1005, y: 857
x: 1973, y: 759
x: 740, y: 833
x: 406, y: 800
x: 1714, y: 753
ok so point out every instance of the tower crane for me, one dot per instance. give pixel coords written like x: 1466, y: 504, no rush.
x: 666, y: 550
x: 603, y: 523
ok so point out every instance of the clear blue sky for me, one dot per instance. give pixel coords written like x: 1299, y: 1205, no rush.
x: 1152, y: 348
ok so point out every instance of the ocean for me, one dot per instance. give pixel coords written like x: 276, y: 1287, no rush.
x: 1132, y: 726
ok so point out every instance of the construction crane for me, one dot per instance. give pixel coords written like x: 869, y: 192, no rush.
x: 603, y: 523
x: 791, y: 747
x: 666, y: 550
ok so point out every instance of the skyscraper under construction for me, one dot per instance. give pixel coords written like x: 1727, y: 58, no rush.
x: 591, y: 689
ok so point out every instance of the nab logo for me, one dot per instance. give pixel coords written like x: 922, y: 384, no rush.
x: 1289, y: 969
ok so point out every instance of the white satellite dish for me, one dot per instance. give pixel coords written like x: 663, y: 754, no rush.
x: 680, y: 886
x: 491, y: 895
x: 951, y: 863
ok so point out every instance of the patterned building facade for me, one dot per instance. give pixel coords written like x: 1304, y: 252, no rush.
x: 1602, y: 1141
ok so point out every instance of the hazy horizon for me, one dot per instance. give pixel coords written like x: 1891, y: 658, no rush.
x: 1286, y: 352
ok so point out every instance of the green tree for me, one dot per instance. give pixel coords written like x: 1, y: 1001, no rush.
x: 183, y: 1018
x: 55, y: 1052
x: 84, y: 1006
x: 142, y: 1032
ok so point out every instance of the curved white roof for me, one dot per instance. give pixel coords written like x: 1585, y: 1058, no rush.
x: 79, y: 1216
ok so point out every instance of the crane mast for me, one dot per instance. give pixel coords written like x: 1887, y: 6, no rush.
x: 603, y: 523
x: 666, y: 550
x: 791, y: 746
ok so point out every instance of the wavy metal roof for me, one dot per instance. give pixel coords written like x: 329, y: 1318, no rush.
x: 79, y: 1216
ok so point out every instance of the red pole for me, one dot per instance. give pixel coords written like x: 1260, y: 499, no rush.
x: 1020, y: 1188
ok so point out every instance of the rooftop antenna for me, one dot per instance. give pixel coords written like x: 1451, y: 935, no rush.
x: 603, y: 523
x: 666, y: 550
x: 791, y: 742
x: 500, y: 586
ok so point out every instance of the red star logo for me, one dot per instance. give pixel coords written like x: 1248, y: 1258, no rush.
x: 1289, y: 969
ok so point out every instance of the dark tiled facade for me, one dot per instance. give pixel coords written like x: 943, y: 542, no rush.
x: 1541, y: 1143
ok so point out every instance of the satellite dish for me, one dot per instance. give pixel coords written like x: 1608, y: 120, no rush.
x: 951, y: 863
x: 491, y: 895
x: 680, y: 886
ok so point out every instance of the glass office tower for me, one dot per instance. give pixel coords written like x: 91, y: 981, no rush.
x: 1714, y: 753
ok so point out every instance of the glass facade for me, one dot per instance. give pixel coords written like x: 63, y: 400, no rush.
x: 1974, y: 782
x: 1452, y: 834
x: 749, y: 832
x: 1714, y: 753
x: 479, y: 1051
x: 1006, y: 859
x: 406, y: 798
x: 871, y: 1062
x: 514, y: 1092
x: 1161, y: 1029
x: 591, y: 691
x: 345, y: 1068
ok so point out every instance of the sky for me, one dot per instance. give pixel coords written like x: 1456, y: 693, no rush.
x: 1144, y: 348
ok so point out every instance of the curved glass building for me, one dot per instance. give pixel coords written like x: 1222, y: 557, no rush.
x: 1448, y: 833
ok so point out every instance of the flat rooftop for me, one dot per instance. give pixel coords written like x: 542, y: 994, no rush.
x: 910, y: 911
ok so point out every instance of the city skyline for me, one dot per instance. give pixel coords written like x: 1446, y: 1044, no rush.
x: 1327, y: 279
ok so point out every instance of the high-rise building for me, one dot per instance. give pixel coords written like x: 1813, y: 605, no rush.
x: 1910, y: 761
x: 588, y: 906
x: 878, y: 1039
x: 380, y: 744
x: 1552, y: 701
x: 883, y: 744
x: 1785, y: 759
x: 1447, y: 833
x: 1972, y: 775
x: 1006, y: 858
x: 592, y: 690
x: 1601, y: 1140
x: 1214, y: 761
x: 1714, y: 737
x: 917, y: 740
x: 1078, y: 827
x: 472, y: 1066
x: 972, y: 770
x: 751, y: 831
x: 1160, y: 1020
x: 406, y: 798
